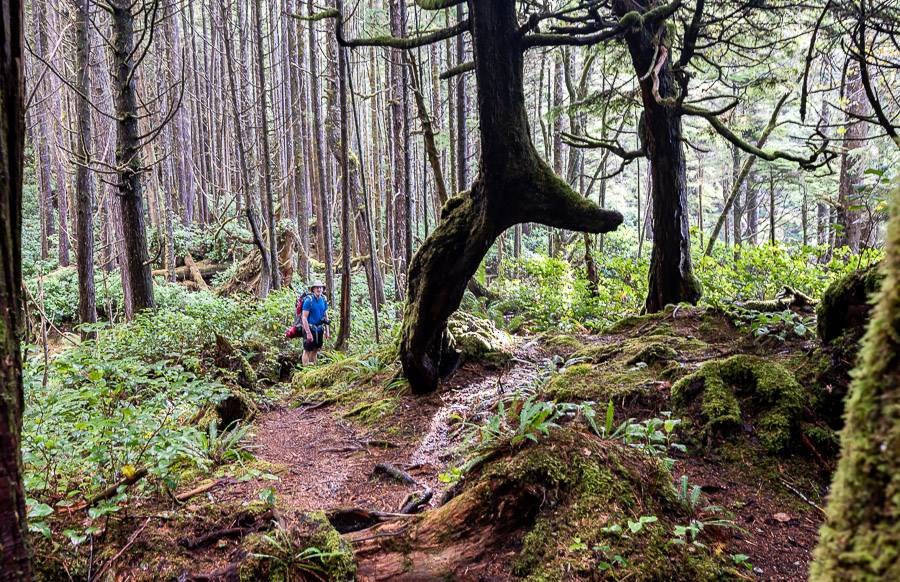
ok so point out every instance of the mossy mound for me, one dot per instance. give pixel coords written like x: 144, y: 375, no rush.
x: 844, y: 309
x: 368, y: 384
x: 630, y: 367
x: 304, y: 545
x: 479, y: 339
x: 743, y: 392
x: 560, y: 508
x: 562, y: 342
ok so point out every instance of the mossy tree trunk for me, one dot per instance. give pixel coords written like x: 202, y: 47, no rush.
x: 671, y: 275
x: 514, y: 186
x: 861, y: 536
x: 14, y: 565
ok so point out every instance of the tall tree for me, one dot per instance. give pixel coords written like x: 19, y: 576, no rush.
x: 124, y: 55
x: 266, y: 156
x: 860, y: 539
x: 14, y: 564
x: 84, y: 187
x: 346, y: 271
x: 514, y: 185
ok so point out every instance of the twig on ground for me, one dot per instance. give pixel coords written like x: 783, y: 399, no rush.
x: 396, y: 473
x: 131, y: 541
x: 797, y: 492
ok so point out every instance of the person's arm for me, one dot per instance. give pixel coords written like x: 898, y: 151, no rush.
x: 305, y: 317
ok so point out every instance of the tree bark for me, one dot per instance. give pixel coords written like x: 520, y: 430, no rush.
x: 128, y: 154
x: 84, y: 188
x: 849, y: 216
x: 344, y: 331
x: 514, y: 185
x: 14, y: 550
x: 671, y: 274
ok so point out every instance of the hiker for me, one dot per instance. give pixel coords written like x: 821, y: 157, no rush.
x: 314, y: 314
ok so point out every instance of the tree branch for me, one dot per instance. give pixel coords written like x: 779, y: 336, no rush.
x: 770, y: 156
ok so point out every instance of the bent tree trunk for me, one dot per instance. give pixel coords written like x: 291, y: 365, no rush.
x: 514, y: 185
x: 860, y: 539
x: 14, y: 565
x: 671, y: 276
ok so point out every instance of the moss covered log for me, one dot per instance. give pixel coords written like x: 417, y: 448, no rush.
x: 555, y: 507
x: 860, y: 540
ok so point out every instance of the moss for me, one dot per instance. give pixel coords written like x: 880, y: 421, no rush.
x: 860, y: 539
x: 653, y: 352
x: 479, y: 339
x: 725, y: 394
x: 307, y: 544
x: 632, y: 20
x: 584, y: 486
x: 367, y: 384
x: 563, y: 341
x: 845, y: 305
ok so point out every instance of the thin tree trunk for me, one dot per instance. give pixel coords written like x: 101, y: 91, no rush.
x: 249, y: 207
x: 344, y: 331
x: 266, y: 157
x: 84, y: 188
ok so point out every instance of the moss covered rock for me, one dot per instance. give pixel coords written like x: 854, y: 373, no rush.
x: 743, y: 391
x: 846, y: 304
x: 479, y: 339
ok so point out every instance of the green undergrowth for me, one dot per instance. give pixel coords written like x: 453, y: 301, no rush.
x: 304, y: 546
x: 170, y: 392
x: 602, y: 509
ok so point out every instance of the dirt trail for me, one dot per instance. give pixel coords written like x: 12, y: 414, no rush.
x: 328, y: 461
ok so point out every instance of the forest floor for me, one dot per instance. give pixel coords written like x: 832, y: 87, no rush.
x: 326, y: 461
x: 313, y: 454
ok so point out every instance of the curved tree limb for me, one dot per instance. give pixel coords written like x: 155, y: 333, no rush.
x: 754, y: 150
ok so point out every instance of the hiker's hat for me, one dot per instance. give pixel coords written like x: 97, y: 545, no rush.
x: 317, y: 284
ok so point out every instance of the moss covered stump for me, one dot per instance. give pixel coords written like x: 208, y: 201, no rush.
x: 743, y: 392
x: 559, y: 507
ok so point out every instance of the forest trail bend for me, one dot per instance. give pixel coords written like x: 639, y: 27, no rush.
x: 326, y: 461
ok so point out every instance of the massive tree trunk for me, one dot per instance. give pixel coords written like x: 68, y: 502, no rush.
x: 671, y: 274
x: 861, y: 536
x: 84, y: 188
x: 128, y: 153
x: 514, y: 185
x: 14, y: 565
